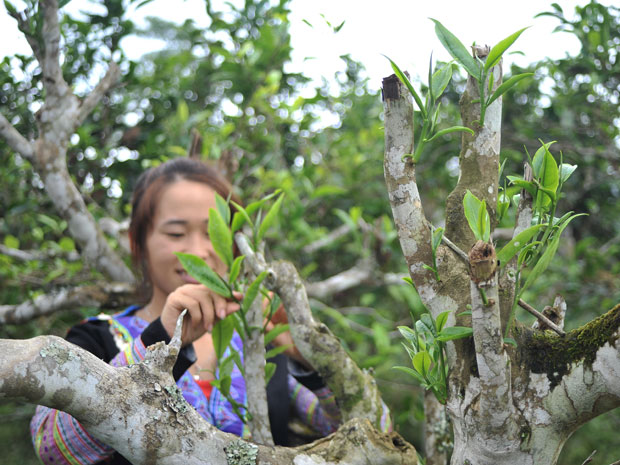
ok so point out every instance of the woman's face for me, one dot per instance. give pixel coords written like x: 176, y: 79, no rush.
x: 180, y: 224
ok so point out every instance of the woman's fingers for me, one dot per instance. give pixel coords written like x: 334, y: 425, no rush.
x: 203, y: 307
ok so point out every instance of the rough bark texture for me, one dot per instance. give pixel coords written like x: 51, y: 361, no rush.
x: 60, y: 115
x: 254, y: 363
x: 356, y: 391
x: 108, y: 296
x: 507, y: 405
x: 139, y: 411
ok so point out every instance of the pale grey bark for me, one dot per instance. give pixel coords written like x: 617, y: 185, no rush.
x: 27, y: 255
x: 139, y: 411
x: 254, y: 364
x: 356, y: 391
x: 507, y: 405
x: 437, y: 431
x: 104, y: 295
x: 340, y: 282
x: 15, y: 140
x: 61, y: 113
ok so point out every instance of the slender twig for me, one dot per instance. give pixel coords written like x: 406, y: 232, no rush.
x: 92, y: 99
x: 589, y: 459
x: 524, y: 305
x: 462, y: 255
x: 23, y: 24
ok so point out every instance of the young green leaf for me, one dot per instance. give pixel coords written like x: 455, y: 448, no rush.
x: 441, y: 320
x: 510, y: 341
x: 539, y: 157
x: 450, y: 130
x: 436, y: 236
x: 484, y: 222
x: 526, y: 252
x: 410, y: 335
x: 454, y: 332
x: 440, y: 80
x: 10, y: 8
x: 252, y: 292
x: 221, y: 237
x: 422, y: 362
x: 225, y: 367
x: 427, y: 320
x: 235, y: 269
x: 270, y: 218
x: 566, y: 170
x: 544, y: 261
x: 224, y: 384
x: 457, y: 50
x: 411, y: 373
x: 503, y: 203
x: 238, y: 323
x: 517, y: 243
x: 549, y: 178
x: 223, y: 208
x: 405, y: 80
x: 270, y: 369
x: 472, y: 206
x: 199, y: 270
x: 240, y: 217
x: 277, y: 350
x: 529, y: 186
x: 254, y: 206
x: 506, y: 86
x: 275, y: 332
x: 498, y: 50
x: 222, y: 335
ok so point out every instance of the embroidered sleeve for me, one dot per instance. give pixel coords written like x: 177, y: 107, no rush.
x: 317, y: 408
x: 59, y: 439
x: 129, y: 354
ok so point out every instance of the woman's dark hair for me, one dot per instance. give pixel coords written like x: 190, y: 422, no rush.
x: 146, y: 196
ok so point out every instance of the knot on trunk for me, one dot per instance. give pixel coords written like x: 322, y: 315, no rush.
x: 482, y: 261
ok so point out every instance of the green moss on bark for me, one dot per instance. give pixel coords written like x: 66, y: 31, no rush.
x: 545, y: 353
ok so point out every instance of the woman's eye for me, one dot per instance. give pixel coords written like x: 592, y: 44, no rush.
x: 175, y: 235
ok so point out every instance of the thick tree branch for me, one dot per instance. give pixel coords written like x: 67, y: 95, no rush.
x: 53, y: 80
x: 356, y: 391
x: 576, y: 376
x: 15, y: 140
x: 139, y: 412
x: 478, y: 160
x: 413, y: 228
x: 493, y: 363
x: 107, y: 295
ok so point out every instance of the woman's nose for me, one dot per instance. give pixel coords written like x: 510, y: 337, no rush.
x: 199, y: 245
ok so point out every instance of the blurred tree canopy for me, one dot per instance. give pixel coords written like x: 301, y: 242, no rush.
x: 229, y: 85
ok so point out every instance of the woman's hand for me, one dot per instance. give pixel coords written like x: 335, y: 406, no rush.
x: 204, y: 308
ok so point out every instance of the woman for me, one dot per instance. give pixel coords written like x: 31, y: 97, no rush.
x: 170, y: 214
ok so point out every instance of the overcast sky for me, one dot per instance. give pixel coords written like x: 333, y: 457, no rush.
x: 400, y: 29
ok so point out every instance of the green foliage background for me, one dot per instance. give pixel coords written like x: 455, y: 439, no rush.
x: 330, y: 176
